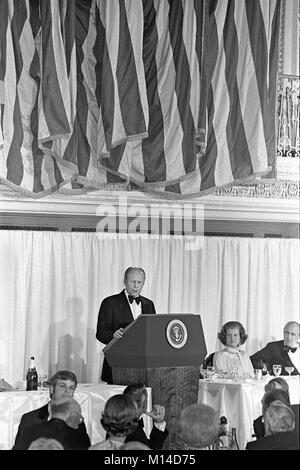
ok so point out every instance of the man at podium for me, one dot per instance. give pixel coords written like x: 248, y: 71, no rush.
x: 119, y: 310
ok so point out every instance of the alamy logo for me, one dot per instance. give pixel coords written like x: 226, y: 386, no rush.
x: 165, y: 221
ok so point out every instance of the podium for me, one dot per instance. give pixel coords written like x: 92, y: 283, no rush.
x: 164, y: 352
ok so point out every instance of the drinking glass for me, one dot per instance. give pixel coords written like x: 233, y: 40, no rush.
x: 42, y: 380
x: 210, y: 371
x: 204, y: 373
x: 289, y: 369
x: 276, y: 369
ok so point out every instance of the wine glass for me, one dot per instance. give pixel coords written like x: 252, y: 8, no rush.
x: 276, y: 369
x: 204, y: 373
x: 210, y: 371
x: 289, y: 369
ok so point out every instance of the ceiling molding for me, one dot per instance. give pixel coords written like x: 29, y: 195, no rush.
x: 124, y: 203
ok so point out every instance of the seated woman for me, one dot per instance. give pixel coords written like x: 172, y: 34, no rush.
x: 119, y: 419
x: 232, y: 359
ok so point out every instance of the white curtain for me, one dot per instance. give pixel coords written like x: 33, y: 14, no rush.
x: 52, y: 284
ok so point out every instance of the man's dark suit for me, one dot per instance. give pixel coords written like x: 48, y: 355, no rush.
x: 55, y: 428
x: 156, y: 439
x: 273, y: 353
x: 40, y: 415
x: 279, y: 441
x: 115, y: 313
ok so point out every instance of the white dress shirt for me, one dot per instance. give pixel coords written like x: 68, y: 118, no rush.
x: 136, y: 309
x: 295, y: 358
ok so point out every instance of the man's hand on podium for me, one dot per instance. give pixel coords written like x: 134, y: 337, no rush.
x: 118, y: 333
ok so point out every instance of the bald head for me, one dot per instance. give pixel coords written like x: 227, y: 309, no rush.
x: 278, y: 418
x: 199, y: 425
x: 44, y: 443
x: 68, y: 410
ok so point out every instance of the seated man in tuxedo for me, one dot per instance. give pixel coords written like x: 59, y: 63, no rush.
x: 279, y: 421
x: 159, y: 433
x: 119, y: 310
x: 62, y: 385
x: 284, y: 352
x: 62, y: 426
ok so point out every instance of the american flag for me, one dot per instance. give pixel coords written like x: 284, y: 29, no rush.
x: 175, y: 97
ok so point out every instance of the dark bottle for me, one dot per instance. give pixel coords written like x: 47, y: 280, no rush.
x: 32, y: 376
x: 233, y: 441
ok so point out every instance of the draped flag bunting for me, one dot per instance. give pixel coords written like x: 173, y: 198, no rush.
x: 175, y: 97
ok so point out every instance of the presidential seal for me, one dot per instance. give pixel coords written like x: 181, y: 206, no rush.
x: 176, y: 334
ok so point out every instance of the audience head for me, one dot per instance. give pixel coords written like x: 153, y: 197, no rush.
x: 291, y: 334
x: 198, y: 426
x: 134, y: 445
x: 138, y: 393
x: 232, y: 334
x: 45, y: 443
x: 274, y: 395
x: 134, y: 280
x: 68, y: 410
x: 62, y: 384
x: 278, y: 418
x: 119, y: 417
x: 277, y: 383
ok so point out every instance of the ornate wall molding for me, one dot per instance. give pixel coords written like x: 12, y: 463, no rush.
x: 277, y: 190
x: 239, y: 203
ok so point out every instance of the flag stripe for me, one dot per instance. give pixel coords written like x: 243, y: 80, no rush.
x: 56, y: 120
x: 126, y: 73
x: 69, y: 32
x: 3, y: 33
x: 173, y: 133
x: 152, y: 146
x: 27, y: 93
x: 77, y: 149
x: 182, y: 84
x: 207, y: 162
x: 104, y: 76
x: 272, y: 97
x: 15, y: 168
x: 252, y: 111
x: 241, y: 164
x: 189, y: 36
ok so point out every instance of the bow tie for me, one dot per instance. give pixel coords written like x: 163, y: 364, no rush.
x: 131, y: 299
x: 288, y: 348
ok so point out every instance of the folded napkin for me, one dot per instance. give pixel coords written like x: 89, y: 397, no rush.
x: 5, y: 386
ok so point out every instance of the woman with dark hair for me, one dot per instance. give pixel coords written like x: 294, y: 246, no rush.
x: 119, y: 419
x: 232, y: 359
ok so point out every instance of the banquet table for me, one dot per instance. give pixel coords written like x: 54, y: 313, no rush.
x: 240, y: 401
x: 92, y: 398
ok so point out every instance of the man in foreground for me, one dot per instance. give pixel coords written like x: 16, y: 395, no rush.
x: 62, y: 385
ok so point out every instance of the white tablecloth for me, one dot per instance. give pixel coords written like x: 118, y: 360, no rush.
x: 240, y: 402
x: 92, y: 398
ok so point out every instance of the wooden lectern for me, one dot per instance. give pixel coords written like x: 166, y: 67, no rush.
x: 164, y: 352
